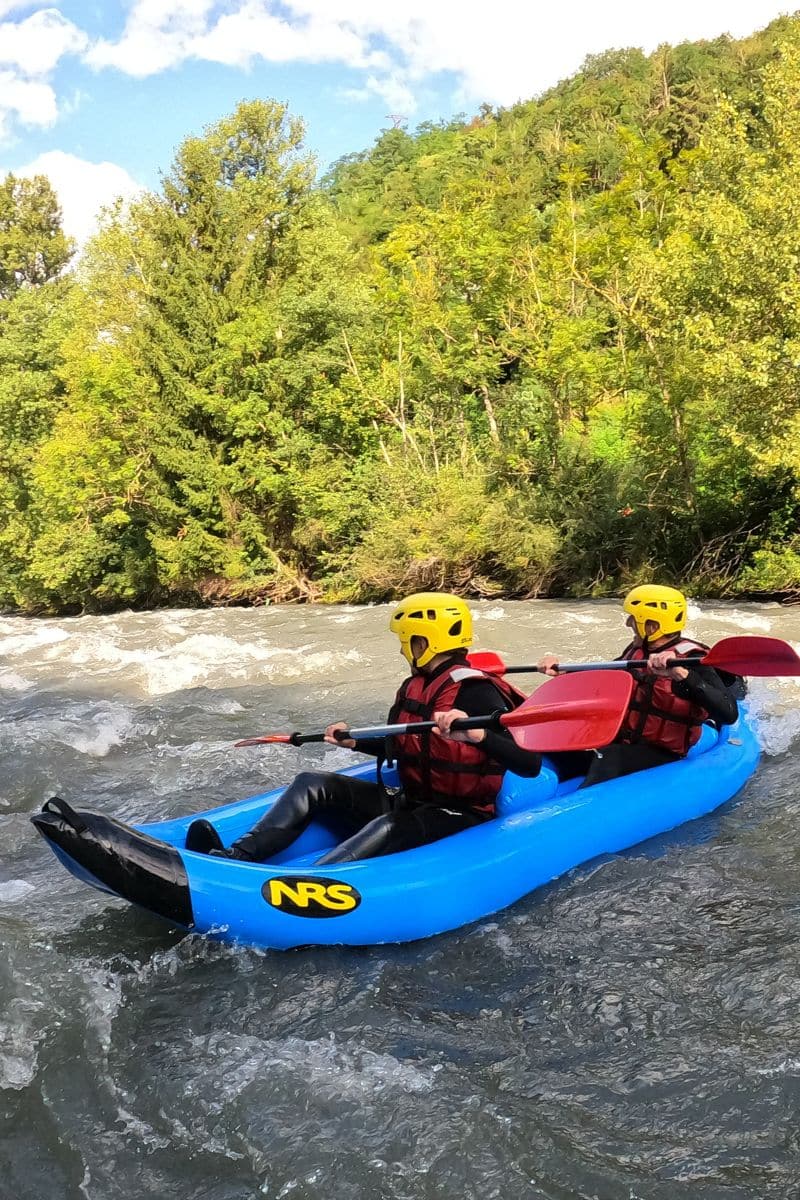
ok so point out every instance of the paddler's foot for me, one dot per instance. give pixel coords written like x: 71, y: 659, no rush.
x: 233, y: 851
x: 202, y: 838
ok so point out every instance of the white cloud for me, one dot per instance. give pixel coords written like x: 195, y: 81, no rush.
x: 502, y: 52
x: 29, y: 52
x: 393, y: 88
x: 28, y: 100
x: 35, y: 46
x: 509, y: 50
x: 252, y: 32
x: 499, y: 53
x: 83, y: 188
x: 161, y: 34
x: 157, y: 35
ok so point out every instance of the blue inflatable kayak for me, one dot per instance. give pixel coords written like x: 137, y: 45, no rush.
x: 543, y: 829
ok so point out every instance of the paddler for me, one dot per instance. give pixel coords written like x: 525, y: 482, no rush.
x: 449, y: 782
x: 669, y: 705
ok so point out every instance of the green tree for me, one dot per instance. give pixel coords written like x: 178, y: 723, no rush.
x: 33, y: 246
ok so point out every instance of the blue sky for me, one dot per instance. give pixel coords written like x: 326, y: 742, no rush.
x: 98, y: 93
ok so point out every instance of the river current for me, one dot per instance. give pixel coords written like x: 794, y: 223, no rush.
x: 630, y: 1032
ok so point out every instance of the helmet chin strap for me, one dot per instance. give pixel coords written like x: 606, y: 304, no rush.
x: 647, y: 639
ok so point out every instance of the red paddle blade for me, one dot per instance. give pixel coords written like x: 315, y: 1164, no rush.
x: 267, y: 740
x: 486, y: 661
x: 572, y: 712
x: 753, y: 656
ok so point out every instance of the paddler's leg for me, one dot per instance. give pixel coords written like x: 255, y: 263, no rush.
x: 375, y: 838
x: 571, y: 763
x: 623, y: 758
x: 401, y: 830
x: 312, y: 792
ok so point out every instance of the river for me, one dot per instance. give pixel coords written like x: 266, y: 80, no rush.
x: 629, y: 1032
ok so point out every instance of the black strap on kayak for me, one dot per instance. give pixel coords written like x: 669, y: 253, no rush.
x: 56, y: 805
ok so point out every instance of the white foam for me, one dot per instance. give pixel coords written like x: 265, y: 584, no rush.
x: 334, y: 1072
x: 19, y: 1060
x: 789, y: 1066
x: 93, y: 730
x: 140, y: 1130
x: 739, y: 619
x: 503, y: 941
x: 324, y: 662
x: 778, y: 733
x: 102, y: 1001
x: 13, y: 682
x: 775, y: 706
x: 34, y: 637
x: 94, y: 734
x: 223, y: 705
x: 197, y: 660
x: 109, y: 733
x: 346, y: 1073
x: 491, y: 614
x: 13, y: 890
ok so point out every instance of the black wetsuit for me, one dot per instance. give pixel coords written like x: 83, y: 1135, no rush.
x: 411, y: 820
x: 702, y: 686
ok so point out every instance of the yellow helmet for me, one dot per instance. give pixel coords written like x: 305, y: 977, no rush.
x: 442, y: 619
x: 652, y: 602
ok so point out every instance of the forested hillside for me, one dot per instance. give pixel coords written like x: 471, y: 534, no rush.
x: 548, y: 350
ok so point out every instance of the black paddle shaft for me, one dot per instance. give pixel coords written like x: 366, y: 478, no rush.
x: 379, y: 731
x: 619, y: 664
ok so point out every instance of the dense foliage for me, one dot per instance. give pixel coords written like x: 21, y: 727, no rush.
x: 553, y: 349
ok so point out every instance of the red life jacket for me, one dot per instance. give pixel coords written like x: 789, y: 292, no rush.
x: 437, y: 770
x: 655, y: 714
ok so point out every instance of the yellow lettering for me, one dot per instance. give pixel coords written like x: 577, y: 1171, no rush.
x: 338, y: 896
x: 312, y: 891
x: 278, y: 890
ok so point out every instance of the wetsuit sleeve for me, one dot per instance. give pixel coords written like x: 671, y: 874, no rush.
x: 501, y: 747
x: 479, y: 697
x: 373, y: 746
x: 703, y: 686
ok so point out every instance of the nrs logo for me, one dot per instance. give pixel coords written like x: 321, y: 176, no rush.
x: 310, y: 896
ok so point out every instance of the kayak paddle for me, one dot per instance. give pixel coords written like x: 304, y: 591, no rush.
x: 563, y: 714
x: 758, y: 656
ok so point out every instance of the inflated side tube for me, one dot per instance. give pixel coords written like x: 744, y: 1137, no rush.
x: 123, y: 860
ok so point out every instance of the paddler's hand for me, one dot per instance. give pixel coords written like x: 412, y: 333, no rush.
x: 332, y: 740
x: 547, y: 665
x: 445, y: 719
x: 657, y: 665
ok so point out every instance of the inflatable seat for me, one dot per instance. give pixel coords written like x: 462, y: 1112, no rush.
x: 518, y: 795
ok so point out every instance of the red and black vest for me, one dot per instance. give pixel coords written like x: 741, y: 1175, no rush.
x: 435, y: 769
x: 655, y: 714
